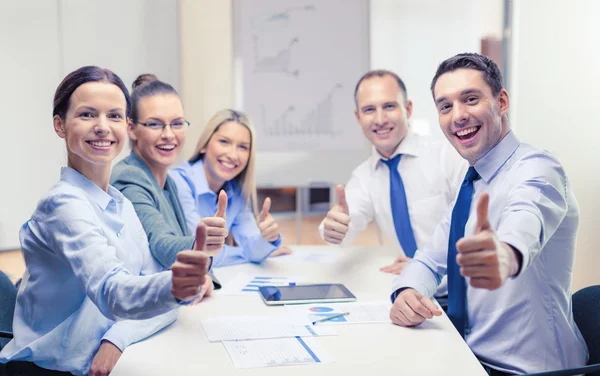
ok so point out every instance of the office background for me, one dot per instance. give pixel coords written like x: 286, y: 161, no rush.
x: 553, y: 73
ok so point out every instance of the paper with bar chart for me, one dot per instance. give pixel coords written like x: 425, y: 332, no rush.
x: 276, y: 352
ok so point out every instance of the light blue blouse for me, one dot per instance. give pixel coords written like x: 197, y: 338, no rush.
x: 198, y: 201
x: 89, y: 271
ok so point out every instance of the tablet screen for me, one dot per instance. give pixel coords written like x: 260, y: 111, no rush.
x: 305, y: 293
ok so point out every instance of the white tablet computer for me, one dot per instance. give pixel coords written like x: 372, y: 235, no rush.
x: 301, y: 294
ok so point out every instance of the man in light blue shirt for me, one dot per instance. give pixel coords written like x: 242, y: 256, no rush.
x: 514, y: 263
x: 89, y: 272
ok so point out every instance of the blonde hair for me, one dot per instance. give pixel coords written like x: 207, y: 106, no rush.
x: 245, y: 178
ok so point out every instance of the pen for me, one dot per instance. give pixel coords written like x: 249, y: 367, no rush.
x: 331, y: 317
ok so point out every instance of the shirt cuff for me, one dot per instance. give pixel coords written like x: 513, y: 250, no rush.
x: 277, y: 242
x: 113, y: 336
x: 522, y: 231
x: 397, y: 292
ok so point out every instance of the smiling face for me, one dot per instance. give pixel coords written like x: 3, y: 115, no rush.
x: 94, y: 127
x: 471, y: 117
x: 382, y: 113
x: 226, y: 154
x: 159, y: 148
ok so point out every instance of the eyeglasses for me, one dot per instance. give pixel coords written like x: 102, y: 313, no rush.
x: 176, y: 125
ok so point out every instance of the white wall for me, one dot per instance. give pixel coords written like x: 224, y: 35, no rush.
x: 411, y: 37
x: 554, y: 101
x: 31, y: 153
x: 42, y: 41
x: 206, y: 63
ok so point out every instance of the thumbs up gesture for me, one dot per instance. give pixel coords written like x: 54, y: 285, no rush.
x: 269, y: 229
x: 335, y: 226
x: 215, y: 227
x: 189, y: 271
x: 482, y: 257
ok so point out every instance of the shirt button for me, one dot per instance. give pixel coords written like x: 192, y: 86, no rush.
x: 467, y: 331
x: 119, y: 234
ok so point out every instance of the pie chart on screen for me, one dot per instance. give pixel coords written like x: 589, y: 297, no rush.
x: 320, y: 309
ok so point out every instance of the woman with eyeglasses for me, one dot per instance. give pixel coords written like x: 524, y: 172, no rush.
x: 157, y: 130
x: 224, y: 159
x: 89, y: 271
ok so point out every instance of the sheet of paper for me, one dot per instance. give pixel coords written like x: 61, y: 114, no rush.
x: 276, y: 352
x: 244, y: 284
x: 359, y: 313
x: 331, y: 256
x: 230, y: 328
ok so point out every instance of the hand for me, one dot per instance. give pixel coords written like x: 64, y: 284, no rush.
x: 190, y: 269
x: 207, y: 290
x: 336, y: 223
x: 412, y: 308
x: 398, y: 266
x: 215, y: 227
x: 482, y: 257
x: 105, y: 359
x: 269, y: 229
x: 281, y: 251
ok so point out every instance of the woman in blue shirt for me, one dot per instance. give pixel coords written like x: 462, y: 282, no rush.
x: 224, y: 159
x: 157, y: 131
x: 91, y: 286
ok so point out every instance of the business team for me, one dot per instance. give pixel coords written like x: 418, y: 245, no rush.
x: 482, y: 221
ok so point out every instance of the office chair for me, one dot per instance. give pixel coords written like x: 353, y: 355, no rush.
x: 586, y: 311
x: 8, y: 299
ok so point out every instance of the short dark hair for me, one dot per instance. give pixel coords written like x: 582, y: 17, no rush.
x: 147, y: 85
x: 380, y: 73
x: 489, y: 70
x: 83, y: 75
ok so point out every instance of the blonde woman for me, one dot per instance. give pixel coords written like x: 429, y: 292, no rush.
x: 224, y: 159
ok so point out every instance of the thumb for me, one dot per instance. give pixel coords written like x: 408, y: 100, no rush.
x: 265, y: 209
x: 430, y: 305
x: 200, y: 237
x: 341, y: 193
x: 221, y: 205
x: 482, y: 213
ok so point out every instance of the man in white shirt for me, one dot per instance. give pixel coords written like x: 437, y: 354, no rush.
x: 423, y: 185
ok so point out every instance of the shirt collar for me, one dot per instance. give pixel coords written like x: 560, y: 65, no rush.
x: 489, y: 164
x: 231, y: 187
x: 95, y: 193
x: 134, y: 160
x: 408, y: 146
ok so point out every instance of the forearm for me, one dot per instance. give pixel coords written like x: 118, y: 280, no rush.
x: 165, y: 247
x: 126, y: 332
x: 123, y: 296
x: 258, y: 249
x: 417, y: 275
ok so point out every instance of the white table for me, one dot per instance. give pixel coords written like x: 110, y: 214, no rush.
x: 434, y: 348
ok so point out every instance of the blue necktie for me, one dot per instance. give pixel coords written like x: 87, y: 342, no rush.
x: 404, y: 230
x: 457, y: 288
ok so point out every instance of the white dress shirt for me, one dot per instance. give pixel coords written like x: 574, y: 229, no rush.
x: 527, y: 324
x: 431, y: 171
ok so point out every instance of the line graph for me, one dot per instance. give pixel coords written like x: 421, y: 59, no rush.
x: 317, y: 121
x: 278, y: 63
